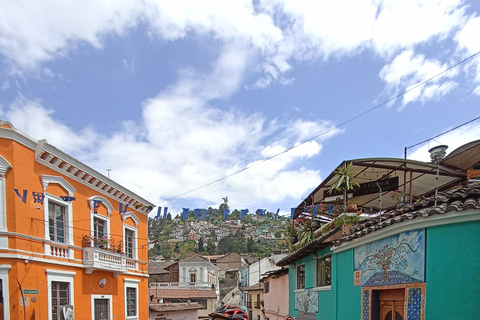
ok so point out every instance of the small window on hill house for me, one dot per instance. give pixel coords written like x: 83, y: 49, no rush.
x: 301, y: 277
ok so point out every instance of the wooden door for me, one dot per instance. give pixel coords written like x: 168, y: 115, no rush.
x: 392, y: 303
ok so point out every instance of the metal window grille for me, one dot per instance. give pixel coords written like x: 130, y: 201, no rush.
x: 56, y: 222
x: 60, y: 297
x: 324, y: 271
x: 101, y: 309
x: 301, y: 277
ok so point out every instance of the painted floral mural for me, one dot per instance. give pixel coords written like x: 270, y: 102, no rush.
x: 397, y: 259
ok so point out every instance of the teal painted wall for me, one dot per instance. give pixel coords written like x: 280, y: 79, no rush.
x: 342, y: 289
x: 453, y: 271
x: 348, y: 296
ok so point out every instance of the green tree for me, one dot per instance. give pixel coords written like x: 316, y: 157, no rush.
x: 200, y: 245
x: 169, y: 216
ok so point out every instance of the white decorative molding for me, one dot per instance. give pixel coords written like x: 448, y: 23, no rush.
x: 104, y: 201
x: 4, y: 166
x: 46, y: 180
x: 130, y: 215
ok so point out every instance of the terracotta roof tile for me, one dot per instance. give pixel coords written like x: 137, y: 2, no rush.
x: 257, y: 286
x: 165, y: 307
x: 463, y: 198
x: 182, y: 293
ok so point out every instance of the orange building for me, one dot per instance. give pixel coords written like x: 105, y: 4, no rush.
x: 71, y: 240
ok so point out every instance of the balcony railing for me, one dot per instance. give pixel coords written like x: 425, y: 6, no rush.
x: 99, y: 259
x: 249, y: 304
x: 257, y: 305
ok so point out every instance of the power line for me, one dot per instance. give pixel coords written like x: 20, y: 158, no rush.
x: 331, y: 129
x: 441, y: 134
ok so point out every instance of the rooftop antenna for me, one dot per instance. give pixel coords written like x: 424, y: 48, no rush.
x: 437, y: 154
x: 108, y: 173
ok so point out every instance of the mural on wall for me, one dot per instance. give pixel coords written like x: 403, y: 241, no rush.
x: 306, y: 301
x: 398, y: 259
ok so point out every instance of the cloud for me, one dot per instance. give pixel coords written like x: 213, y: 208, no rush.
x: 275, y: 31
x: 452, y: 139
x: 407, y: 70
x: 185, y: 141
x: 35, y: 119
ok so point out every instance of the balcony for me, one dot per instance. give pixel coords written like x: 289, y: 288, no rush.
x: 98, y: 259
x: 249, y: 304
x: 257, y: 305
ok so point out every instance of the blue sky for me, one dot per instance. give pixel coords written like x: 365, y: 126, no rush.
x: 174, y: 95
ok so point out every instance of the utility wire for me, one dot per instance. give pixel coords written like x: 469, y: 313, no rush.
x: 331, y: 129
x: 441, y: 134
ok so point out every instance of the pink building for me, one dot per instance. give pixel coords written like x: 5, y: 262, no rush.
x: 275, y: 294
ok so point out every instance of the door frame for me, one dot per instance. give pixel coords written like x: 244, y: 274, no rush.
x: 102, y: 296
x: 367, y: 303
x: 4, y: 268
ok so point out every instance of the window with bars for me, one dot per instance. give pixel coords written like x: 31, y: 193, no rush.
x: 101, y: 309
x: 60, y: 298
x: 56, y: 222
x: 324, y: 271
x: 131, y: 301
x: 129, y: 243
x: 301, y: 277
x: 266, y: 287
x: 98, y: 228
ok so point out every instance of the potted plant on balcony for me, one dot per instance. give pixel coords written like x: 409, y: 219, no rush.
x: 86, y: 240
x: 351, y: 205
x: 291, y: 233
x: 118, y: 247
x: 400, y: 197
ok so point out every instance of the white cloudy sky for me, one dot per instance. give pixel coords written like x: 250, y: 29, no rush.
x: 172, y: 95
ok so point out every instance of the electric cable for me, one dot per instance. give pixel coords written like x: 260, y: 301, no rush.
x: 331, y: 129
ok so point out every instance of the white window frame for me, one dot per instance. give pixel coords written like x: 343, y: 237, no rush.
x: 131, y: 283
x: 99, y: 296
x: 135, y: 242
x: 296, y: 278
x: 59, y: 276
x: 135, y: 233
x: 46, y: 180
x: 4, y: 268
x: 94, y: 215
x: 322, y: 288
x: 4, y: 166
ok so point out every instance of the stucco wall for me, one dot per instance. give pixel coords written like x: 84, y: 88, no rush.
x: 453, y: 271
x: 276, y: 300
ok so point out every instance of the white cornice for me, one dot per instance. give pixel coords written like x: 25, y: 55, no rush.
x: 72, y: 168
x: 417, y: 223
